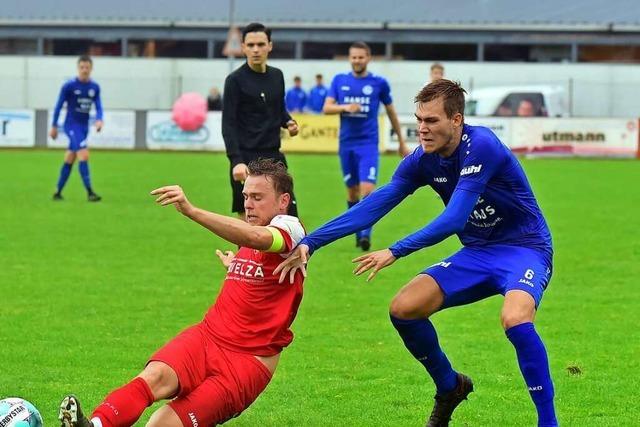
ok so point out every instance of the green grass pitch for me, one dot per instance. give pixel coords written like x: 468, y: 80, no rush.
x: 89, y: 291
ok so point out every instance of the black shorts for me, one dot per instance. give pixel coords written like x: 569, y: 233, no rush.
x: 237, y: 199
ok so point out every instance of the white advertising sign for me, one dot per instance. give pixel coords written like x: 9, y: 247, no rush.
x: 118, y: 131
x: 17, y: 128
x: 576, y: 137
x: 164, y: 134
x: 596, y: 137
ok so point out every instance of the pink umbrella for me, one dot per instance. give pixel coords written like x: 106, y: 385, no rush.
x: 190, y: 111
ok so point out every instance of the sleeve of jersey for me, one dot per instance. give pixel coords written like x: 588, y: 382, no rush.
x: 370, y: 209
x: 484, y: 158
x: 333, y: 89
x: 385, y: 93
x: 287, y: 233
x: 59, y: 104
x: 452, y: 220
x: 98, y: 104
x: 285, y: 117
x: 230, y: 120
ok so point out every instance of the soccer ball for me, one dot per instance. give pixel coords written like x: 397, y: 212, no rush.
x: 16, y: 412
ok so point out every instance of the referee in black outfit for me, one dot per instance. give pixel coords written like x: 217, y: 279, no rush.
x: 254, y: 111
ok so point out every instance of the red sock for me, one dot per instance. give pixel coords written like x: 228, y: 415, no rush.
x: 123, y: 406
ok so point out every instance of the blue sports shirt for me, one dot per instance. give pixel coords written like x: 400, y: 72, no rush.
x: 360, y: 128
x: 487, y: 196
x: 79, y: 96
x: 295, y: 99
x: 315, y: 101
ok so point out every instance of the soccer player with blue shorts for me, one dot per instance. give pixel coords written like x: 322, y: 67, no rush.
x: 79, y: 94
x: 356, y: 96
x: 507, y: 246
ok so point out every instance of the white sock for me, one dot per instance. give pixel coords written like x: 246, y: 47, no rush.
x: 96, y: 422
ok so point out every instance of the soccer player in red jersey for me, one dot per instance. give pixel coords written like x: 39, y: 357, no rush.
x: 215, y: 369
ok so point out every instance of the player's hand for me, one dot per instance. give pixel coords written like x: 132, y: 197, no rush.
x: 173, y: 195
x: 403, y: 150
x: 98, y: 125
x: 292, y: 127
x: 374, y: 261
x: 225, y: 257
x: 53, y: 133
x: 352, y: 108
x: 297, y: 260
x: 240, y: 172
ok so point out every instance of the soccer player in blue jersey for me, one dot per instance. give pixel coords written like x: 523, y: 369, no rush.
x: 507, y: 246
x: 296, y: 97
x: 317, y: 95
x: 79, y: 94
x: 356, y: 96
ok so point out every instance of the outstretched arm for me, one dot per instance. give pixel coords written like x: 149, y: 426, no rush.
x: 231, y: 229
x: 363, y: 215
x: 449, y: 222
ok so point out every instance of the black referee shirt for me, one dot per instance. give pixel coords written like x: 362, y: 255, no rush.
x: 253, y: 111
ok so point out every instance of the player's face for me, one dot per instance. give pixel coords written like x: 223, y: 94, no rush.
x: 261, y: 201
x: 84, y: 70
x: 437, y: 133
x: 437, y: 74
x: 359, y: 58
x: 256, y: 48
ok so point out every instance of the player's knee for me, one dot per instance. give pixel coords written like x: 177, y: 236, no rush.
x: 161, y: 379
x: 402, y: 308
x: 514, y: 317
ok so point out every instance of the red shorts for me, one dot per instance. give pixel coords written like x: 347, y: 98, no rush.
x: 216, y: 384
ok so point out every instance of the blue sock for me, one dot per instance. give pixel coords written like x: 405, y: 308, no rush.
x: 351, y: 204
x: 64, y: 175
x: 84, y: 173
x: 534, y: 365
x: 421, y: 340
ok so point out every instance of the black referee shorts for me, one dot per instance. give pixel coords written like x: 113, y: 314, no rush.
x: 237, y: 199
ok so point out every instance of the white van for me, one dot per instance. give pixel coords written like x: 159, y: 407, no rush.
x: 503, y: 101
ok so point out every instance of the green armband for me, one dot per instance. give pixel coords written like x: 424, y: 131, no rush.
x: 278, y: 240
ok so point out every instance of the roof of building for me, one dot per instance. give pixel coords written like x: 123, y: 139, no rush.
x: 570, y: 15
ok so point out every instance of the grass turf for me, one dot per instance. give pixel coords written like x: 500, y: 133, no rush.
x: 89, y: 291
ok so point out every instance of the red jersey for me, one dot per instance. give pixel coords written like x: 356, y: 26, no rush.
x: 253, y: 311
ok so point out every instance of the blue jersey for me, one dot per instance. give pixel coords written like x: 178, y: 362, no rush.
x: 487, y: 196
x: 295, y: 99
x: 315, y: 101
x: 360, y: 128
x: 79, y: 97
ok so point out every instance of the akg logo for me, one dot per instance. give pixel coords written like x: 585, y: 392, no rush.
x: 169, y: 132
x: 367, y: 90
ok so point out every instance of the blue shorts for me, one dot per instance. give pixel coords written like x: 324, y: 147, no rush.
x: 77, y: 137
x: 359, y: 164
x: 475, y: 273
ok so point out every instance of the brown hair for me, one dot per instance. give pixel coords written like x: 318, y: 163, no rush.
x: 452, y: 95
x: 361, y: 45
x: 275, y: 171
x: 437, y: 66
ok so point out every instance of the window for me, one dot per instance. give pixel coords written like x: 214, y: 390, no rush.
x: 512, y: 103
x: 435, y: 52
x: 527, y: 53
x: 609, y: 53
x: 83, y: 47
x: 18, y: 46
x: 167, y: 48
x: 315, y: 50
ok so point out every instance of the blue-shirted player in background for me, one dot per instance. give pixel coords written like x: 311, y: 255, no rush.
x: 296, y: 98
x: 506, y: 250
x: 79, y: 94
x: 356, y: 96
x: 317, y: 95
